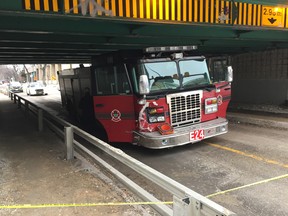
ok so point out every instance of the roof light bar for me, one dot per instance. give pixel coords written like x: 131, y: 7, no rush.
x: 169, y: 49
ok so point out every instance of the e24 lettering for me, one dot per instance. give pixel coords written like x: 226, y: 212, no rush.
x: 197, y: 135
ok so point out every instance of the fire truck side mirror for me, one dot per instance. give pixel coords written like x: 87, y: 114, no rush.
x: 143, y: 85
x: 229, y: 74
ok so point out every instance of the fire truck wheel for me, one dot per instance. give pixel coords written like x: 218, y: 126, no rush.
x: 100, y: 131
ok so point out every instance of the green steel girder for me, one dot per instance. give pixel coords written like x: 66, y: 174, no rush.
x: 28, y: 37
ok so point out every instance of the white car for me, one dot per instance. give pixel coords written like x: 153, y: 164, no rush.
x: 36, y: 88
x: 15, y: 87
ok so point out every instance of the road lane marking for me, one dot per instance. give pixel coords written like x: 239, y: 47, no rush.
x: 248, y: 155
x: 248, y: 185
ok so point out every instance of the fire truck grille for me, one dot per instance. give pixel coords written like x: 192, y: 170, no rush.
x: 185, y: 108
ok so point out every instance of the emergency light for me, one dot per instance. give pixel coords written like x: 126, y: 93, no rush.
x: 169, y: 49
x: 165, y: 129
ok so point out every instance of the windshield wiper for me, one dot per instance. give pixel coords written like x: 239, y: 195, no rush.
x: 160, y: 94
x: 153, y: 70
x: 190, y: 75
x: 223, y: 86
x: 209, y: 87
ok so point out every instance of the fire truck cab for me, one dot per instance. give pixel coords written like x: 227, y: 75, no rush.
x: 162, y: 97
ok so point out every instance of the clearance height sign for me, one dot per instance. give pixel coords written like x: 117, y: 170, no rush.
x: 273, y: 16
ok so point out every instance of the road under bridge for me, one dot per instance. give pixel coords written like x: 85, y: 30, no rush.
x: 253, y: 33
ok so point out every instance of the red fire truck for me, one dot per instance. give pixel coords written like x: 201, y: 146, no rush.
x: 157, y: 98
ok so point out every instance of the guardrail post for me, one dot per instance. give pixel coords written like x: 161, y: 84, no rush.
x: 26, y: 107
x: 10, y: 95
x: 40, y: 120
x: 69, y: 142
x: 15, y: 99
x: 19, y: 103
x: 186, y: 206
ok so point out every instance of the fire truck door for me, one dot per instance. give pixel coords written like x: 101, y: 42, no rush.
x: 218, y: 66
x: 116, y: 114
x: 114, y: 102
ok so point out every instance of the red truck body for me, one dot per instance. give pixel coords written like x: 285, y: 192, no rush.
x: 184, y: 107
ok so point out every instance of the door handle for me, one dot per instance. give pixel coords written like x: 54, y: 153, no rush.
x: 99, y: 105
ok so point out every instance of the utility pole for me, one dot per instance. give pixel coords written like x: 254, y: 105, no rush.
x: 28, y: 78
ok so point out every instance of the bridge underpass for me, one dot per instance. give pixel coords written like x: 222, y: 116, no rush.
x: 33, y: 35
x: 253, y: 32
x: 34, y: 31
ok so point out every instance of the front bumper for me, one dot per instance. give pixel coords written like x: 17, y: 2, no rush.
x: 37, y: 92
x: 181, y: 135
x: 15, y: 90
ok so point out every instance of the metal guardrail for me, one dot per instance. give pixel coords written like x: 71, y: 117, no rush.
x: 186, y: 202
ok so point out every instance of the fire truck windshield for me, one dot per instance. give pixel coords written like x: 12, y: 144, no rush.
x: 177, y: 74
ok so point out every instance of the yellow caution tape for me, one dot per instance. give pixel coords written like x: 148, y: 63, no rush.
x: 30, y: 206
x: 248, y: 185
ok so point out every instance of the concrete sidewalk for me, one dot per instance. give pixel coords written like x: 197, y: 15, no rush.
x: 260, y: 115
x: 33, y: 171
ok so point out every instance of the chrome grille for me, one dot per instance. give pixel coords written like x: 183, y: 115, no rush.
x: 185, y: 108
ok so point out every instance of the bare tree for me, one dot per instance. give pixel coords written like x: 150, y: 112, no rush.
x: 28, y: 78
x: 43, y: 67
x: 8, y: 73
x: 16, y: 73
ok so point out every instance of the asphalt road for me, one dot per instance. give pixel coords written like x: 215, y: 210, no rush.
x: 246, y: 155
x: 245, y: 170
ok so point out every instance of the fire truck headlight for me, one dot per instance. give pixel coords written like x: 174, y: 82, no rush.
x: 211, y: 105
x: 155, y: 114
x: 154, y: 119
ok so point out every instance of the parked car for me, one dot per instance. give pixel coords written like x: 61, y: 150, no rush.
x: 4, y: 88
x: 15, y: 87
x: 36, y: 88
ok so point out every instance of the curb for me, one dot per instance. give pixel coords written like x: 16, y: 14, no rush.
x: 257, y: 120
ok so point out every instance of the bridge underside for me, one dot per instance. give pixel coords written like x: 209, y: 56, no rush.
x: 35, y: 37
